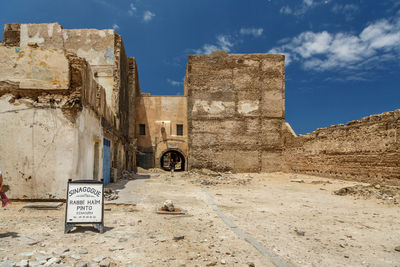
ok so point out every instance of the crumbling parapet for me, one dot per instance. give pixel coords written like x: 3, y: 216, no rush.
x: 367, y: 150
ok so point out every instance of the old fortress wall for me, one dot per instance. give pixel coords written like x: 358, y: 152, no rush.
x: 366, y: 150
x: 236, y: 109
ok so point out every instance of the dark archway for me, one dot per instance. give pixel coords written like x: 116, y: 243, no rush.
x: 176, y: 156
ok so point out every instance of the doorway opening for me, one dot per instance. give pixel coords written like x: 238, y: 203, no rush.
x: 172, y: 155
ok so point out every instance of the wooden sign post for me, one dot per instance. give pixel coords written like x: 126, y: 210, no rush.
x: 85, y: 204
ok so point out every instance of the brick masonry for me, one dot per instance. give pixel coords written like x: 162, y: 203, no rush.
x: 235, y: 111
x: 366, y: 150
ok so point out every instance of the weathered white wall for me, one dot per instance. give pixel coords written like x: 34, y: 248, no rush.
x: 34, y: 68
x: 89, y: 131
x: 40, y: 149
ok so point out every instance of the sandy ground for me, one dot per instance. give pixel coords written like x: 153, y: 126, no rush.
x: 302, y: 224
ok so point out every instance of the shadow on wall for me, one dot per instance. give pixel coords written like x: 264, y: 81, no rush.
x: 145, y: 151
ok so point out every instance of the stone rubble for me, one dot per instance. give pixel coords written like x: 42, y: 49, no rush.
x: 168, y: 206
x: 385, y: 193
x: 110, y: 194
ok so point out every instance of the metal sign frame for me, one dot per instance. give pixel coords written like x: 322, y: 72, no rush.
x: 97, y: 225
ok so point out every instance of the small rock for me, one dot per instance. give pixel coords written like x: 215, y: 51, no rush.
x: 34, y: 242
x: 26, y: 254
x: 81, y: 264
x: 7, y: 263
x: 43, y: 258
x: 83, y: 251
x: 98, y: 259
x: 26, y: 239
x: 116, y: 248
x: 397, y: 248
x: 23, y: 263
x: 300, y: 233
x: 75, y: 257
x: 45, y: 234
x: 377, y: 186
x: 251, y: 264
x: 59, y: 251
x: 212, y: 263
x: 168, y: 205
x: 223, y: 262
x: 179, y: 237
x: 123, y: 239
x: 52, y: 261
x: 297, y: 180
x: 36, y: 263
x: 104, y: 263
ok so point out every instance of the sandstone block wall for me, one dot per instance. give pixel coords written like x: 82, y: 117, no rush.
x: 236, y: 108
x: 366, y: 150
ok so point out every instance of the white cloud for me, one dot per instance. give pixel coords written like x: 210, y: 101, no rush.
x: 300, y: 9
x: 286, y: 10
x: 320, y: 51
x: 224, y: 42
x: 132, y: 9
x: 348, y: 10
x: 115, y: 26
x: 174, y: 83
x: 148, y: 15
x: 308, y: 2
x: 256, y: 32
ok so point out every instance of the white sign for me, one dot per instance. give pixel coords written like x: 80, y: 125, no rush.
x: 84, y: 203
x: 172, y: 145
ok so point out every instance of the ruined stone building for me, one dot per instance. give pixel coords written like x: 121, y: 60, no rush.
x: 66, y: 108
x: 236, y: 111
x: 71, y: 107
x: 161, y: 131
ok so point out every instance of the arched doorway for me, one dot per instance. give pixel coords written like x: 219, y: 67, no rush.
x: 176, y: 156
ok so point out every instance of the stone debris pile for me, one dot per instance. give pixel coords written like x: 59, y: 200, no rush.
x: 127, y: 175
x: 209, y: 177
x: 110, y: 194
x: 383, y: 192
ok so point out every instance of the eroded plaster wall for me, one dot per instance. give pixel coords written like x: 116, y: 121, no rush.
x: 49, y: 132
x: 236, y: 109
x: 160, y: 115
x: 366, y: 150
x: 37, y: 149
x: 34, y: 68
x: 96, y: 46
x: 42, y: 149
x: 88, y: 132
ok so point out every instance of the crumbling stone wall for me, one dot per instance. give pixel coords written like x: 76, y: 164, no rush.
x: 105, y: 53
x: 51, y: 109
x: 366, y: 150
x: 236, y: 109
x: 96, y: 46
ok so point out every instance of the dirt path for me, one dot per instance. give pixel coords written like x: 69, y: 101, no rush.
x: 302, y: 224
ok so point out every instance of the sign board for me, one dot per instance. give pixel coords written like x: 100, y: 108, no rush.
x: 85, y: 204
x: 172, y: 145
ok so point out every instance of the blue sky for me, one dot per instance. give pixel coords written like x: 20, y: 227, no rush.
x: 343, y: 57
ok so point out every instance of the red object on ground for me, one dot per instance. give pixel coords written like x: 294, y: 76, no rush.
x: 4, y: 199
